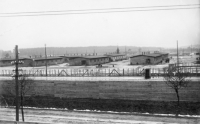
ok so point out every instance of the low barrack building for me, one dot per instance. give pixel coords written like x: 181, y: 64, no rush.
x: 74, y: 60
x: 96, y: 60
x: 7, y: 62
x: 49, y: 60
x: 88, y: 60
x: 116, y: 57
x: 149, y: 58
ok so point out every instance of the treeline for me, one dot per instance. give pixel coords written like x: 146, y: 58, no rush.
x: 99, y: 50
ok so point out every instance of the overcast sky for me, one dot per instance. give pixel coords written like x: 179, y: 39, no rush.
x: 161, y: 28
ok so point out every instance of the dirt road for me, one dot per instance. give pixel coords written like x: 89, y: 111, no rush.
x: 73, y: 117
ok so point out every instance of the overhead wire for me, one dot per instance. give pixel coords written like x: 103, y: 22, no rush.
x: 103, y: 9
x: 107, y: 10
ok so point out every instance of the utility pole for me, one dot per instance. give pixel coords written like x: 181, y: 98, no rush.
x: 199, y: 52
x: 177, y: 56
x: 46, y: 59
x: 94, y: 53
x: 16, y: 82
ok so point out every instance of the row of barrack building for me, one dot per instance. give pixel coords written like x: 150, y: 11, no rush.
x: 71, y: 60
x: 145, y: 58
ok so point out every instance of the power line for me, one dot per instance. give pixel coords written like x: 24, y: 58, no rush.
x: 102, y: 9
x: 108, y: 10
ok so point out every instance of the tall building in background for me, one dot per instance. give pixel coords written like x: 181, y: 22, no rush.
x: 117, y: 50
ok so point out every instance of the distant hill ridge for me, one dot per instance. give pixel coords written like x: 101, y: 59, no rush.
x: 100, y: 50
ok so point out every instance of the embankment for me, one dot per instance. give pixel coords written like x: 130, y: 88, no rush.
x: 145, y: 96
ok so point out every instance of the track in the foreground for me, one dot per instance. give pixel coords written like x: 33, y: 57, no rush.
x: 74, y: 117
x: 136, y: 78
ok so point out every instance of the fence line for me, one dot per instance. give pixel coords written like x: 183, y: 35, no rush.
x: 100, y: 72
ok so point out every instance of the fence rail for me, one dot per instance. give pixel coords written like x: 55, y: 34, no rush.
x: 100, y: 72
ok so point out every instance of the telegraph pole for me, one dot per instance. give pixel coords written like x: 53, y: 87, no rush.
x: 46, y: 59
x: 177, y: 56
x: 16, y: 82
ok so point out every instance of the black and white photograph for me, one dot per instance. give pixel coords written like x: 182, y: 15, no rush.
x: 99, y: 62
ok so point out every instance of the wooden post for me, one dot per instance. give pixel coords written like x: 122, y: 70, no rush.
x: 196, y: 71
x: 16, y: 83
x: 128, y: 71
x: 46, y: 59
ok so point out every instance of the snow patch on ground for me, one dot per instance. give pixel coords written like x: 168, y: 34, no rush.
x: 99, y: 111
x: 135, y: 113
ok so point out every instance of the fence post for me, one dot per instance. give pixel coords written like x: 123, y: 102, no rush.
x: 78, y: 72
x: 136, y: 71
x: 196, y: 71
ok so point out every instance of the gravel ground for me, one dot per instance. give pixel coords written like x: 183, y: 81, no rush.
x: 74, y: 117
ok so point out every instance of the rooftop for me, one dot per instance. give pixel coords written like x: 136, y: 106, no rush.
x: 12, y: 59
x: 94, y: 57
x: 48, y: 58
x: 114, y: 55
x: 150, y: 55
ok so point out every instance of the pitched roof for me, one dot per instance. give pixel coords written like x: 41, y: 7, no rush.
x: 114, y: 55
x: 94, y: 57
x: 150, y: 55
x: 48, y: 58
x: 72, y: 56
x: 13, y: 59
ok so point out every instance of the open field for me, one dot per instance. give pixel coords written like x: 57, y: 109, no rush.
x: 77, y: 117
x: 50, y: 116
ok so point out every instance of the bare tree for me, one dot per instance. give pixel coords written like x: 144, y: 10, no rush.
x: 176, y: 78
x: 26, y: 87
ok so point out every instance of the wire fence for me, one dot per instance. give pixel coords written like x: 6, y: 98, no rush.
x: 194, y: 70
